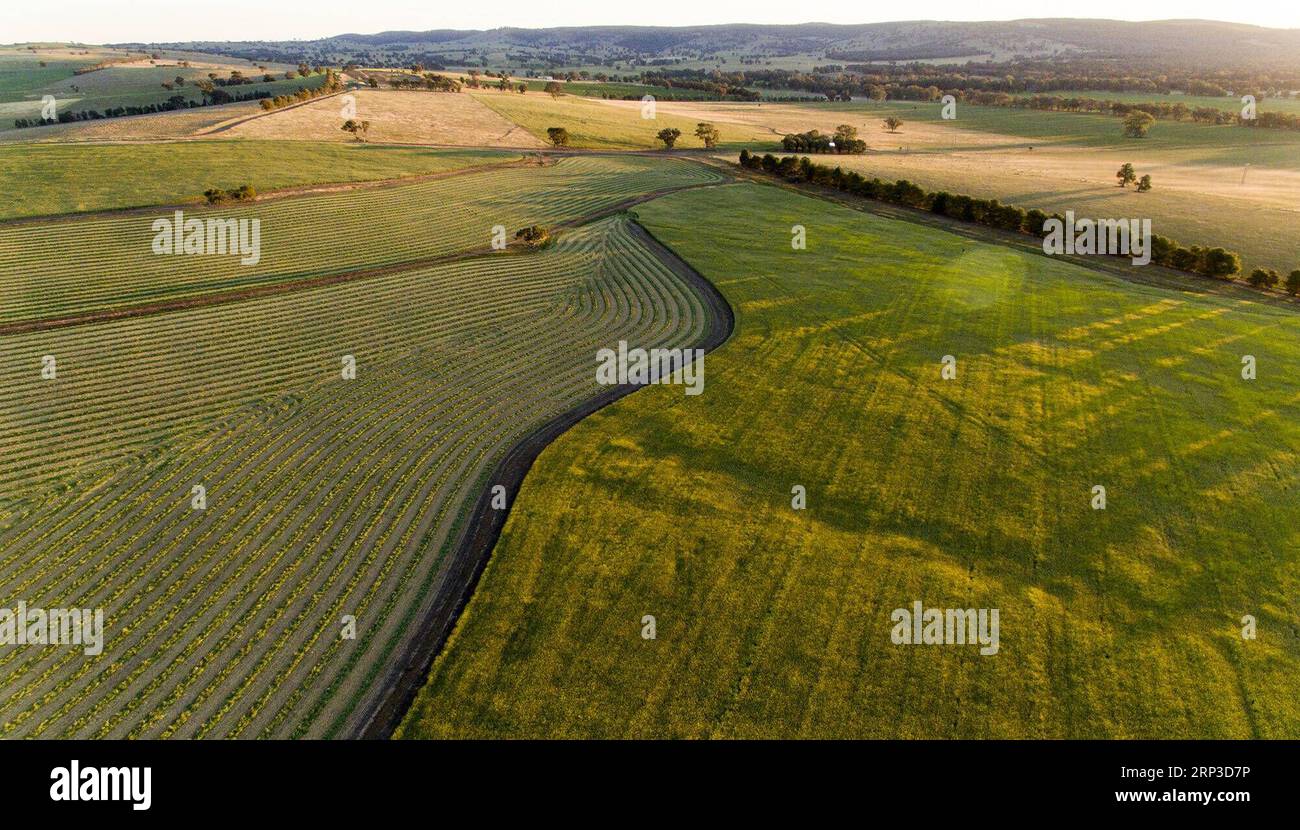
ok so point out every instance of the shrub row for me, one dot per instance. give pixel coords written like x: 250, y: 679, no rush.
x: 217, y: 196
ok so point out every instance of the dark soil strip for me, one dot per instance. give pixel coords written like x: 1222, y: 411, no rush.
x: 275, y: 288
x: 473, y: 547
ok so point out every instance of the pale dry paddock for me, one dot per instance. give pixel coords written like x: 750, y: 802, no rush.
x: 923, y: 149
x: 395, y: 116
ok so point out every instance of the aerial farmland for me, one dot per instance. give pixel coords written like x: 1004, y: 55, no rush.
x: 768, y: 382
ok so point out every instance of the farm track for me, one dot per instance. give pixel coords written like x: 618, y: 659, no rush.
x: 473, y: 547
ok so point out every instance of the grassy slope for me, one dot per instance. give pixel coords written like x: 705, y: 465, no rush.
x: 597, y: 125
x: 63, y: 179
x: 970, y: 493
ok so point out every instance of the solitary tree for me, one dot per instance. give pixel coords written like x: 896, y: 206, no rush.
x: 357, y: 128
x: 1126, y: 175
x: 892, y: 123
x: 1144, y: 183
x: 1137, y: 123
x: 707, y: 133
x: 669, y: 136
x: 558, y: 136
x: 552, y: 89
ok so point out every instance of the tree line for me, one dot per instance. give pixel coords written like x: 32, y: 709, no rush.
x: 1216, y: 262
x: 332, y: 84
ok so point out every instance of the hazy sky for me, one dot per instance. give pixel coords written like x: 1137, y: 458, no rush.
x: 108, y: 21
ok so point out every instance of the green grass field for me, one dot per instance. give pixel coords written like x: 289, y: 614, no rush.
x: 325, y: 497
x: 76, y: 178
x: 969, y: 493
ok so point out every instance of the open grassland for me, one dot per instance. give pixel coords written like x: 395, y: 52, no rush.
x: 969, y: 493
x: 325, y: 497
x: 395, y: 116
x: 54, y: 269
x: 612, y: 125
x: 78, y: 178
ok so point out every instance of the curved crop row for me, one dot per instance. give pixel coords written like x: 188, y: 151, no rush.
x: 326, y: 497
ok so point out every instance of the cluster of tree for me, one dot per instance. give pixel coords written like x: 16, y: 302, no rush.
x: 716, y: 84
x: 1128, y: 176
x: 332, y: 84
x: 1269, y: 278
x: 432, y: 82
x: 1212, y: 262
x: 534, y: 236
x: 217, y: 196
x: 844, y: 141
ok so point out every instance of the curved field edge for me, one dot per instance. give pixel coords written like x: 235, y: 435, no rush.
x: 237, y: 632
x: 776, y: 623
x: 479, y: 535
